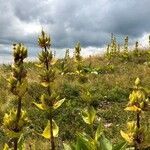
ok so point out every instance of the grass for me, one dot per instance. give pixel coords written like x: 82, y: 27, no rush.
x: 109, y: 89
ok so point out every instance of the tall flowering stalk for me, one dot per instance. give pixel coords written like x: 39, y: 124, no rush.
x: 107, y: 50
x: 48, y: 100
x: 115, y: 45
x: 65, y: 63
x: 137, y: 134
x: 126, y: 41
x: 112, y: 43
x: 136, y: 48
x: 77, y: 57
x: 149, y: 40
x: 67, y: 56
x: 16, y: 120
x: 118, y: 48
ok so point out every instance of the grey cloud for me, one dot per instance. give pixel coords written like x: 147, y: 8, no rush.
x: 68, y: 22
x: 129, y: 17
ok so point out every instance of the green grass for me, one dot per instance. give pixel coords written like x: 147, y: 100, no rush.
x: 109, y: 89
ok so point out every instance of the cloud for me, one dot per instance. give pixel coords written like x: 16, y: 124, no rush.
x: 68, y: 22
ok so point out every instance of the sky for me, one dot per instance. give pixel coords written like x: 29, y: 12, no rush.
x: 89, y: 22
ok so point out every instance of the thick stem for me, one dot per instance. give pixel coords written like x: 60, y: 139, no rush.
x: 15, y: 143
x: 138, y: 120
x: 18, y: 115
x: 92, y: 130
x: 18, y: 61
x: 52, y: 143
x: 51, y: 132
x: 51, y: 123
x: 137, y: 140
x: 47, y: 64
x: 18, y: 111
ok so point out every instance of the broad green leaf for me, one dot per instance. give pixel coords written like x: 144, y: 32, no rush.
x: 126, y: 137
x: 46, y: 133
x: 137, y: 81
x: 132, y: 108
x: 43, y: 99
x: 8, y: 118
x: 89, y: 94
x: 58, y: 104
x: 105, y: 144
x: 85, y: 142
x: 120, y: 146
x: 39, y: 65
x: 88, y: 115
x: 6, y: 147
x: 21, y: 143
x: 45, y: 84
x: 67, y: 146
x: 131, y: 126
x: 99, y: 131
x: 40, y: 106
x: 22, y: 147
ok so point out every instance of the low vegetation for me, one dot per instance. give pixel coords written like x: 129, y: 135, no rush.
x: 98, y: 103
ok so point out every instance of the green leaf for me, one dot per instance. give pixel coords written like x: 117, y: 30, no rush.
x: 85, y: 142
x: 105, y: 144
x: 137, y: 81
x: 58, y: 104
x: 45, y: 84
x: 99, y: 131
x: 22, y: 147
x: 46, y: 133
x: 39, y: 65
x: 40, y: 106
x: 132, y: 108
x: 67, y: 146
x: 120, y: 146
x: 126, y: 137
x: 6, y: 147
x: 21, y: 143
x: 88, y: 115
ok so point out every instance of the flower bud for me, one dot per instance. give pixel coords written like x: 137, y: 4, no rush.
x: 137, y: 81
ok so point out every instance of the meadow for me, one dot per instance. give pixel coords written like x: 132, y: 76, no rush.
x: 86, y: 97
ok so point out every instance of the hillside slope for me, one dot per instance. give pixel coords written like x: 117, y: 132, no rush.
x: 108, y: 79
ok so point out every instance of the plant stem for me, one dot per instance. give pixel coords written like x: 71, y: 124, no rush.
x: 52, y: 143
x: 18, y: 112
x: 15, y: 143
x: 18, y: 115
x: 137, y: 140
x: 138, y: 120
x: 51, y: 132
x: 92, y: 130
